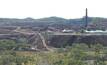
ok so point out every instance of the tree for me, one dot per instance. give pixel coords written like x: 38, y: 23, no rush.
x: 7, y: 44
x: 98, y: 49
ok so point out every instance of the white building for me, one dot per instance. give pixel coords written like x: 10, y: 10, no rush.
x: 67, y: 31
x: 96, y: 31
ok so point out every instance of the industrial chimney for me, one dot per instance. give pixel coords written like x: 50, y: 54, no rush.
x: 86, y: 19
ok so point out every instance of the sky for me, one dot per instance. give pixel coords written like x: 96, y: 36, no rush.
x: 68, y: 9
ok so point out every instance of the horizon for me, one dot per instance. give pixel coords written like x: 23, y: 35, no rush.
x: 51, y: 17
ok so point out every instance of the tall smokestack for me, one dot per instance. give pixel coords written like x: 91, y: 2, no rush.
x: 86, y: 18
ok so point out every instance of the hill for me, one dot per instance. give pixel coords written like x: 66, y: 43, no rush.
x: 57, y: 22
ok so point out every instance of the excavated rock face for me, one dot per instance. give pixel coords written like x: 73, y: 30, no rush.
x: 64, y: 40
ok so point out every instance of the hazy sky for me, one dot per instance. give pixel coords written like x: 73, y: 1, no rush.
x: 46, y: 8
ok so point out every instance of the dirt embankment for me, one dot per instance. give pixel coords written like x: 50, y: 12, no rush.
x: 64, y: 40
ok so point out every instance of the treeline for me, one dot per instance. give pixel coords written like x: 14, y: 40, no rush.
x: 57, y: 22
x: 12, y: 45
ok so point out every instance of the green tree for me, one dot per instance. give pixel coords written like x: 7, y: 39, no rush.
x: 7, y: 44
x: 99, y: 53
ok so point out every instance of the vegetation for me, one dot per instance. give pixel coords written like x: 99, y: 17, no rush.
x: 77, y: 54
x: 56, y: 22
x: 12, y: 45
